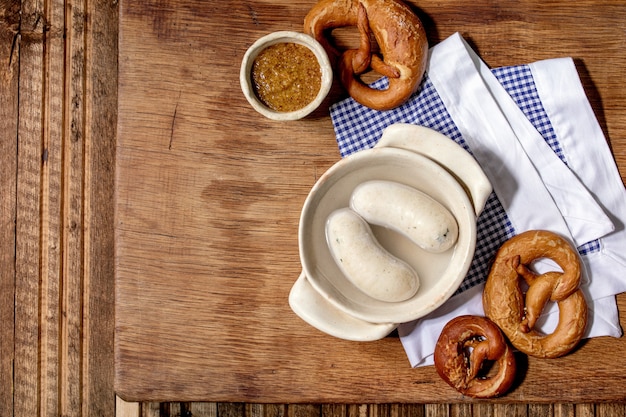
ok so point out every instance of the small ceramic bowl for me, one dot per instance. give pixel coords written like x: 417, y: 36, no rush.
x: 440, y: 274
x: 245, y: 76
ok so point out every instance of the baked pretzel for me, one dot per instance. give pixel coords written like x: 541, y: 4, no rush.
x: 516, y: 314
x: 463, y: 347
x: 401, y: 39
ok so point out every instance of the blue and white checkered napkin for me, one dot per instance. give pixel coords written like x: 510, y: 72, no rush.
x: 533, y: 132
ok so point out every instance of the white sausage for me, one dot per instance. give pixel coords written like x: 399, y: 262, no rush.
x: 365, y: 262
x: 406, y: 210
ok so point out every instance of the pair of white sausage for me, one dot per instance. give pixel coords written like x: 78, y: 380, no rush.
x: 403, y: 209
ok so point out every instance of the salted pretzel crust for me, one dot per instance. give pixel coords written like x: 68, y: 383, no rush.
x: 401, y: 39
x: 464, y: 344
x: 516, y: 313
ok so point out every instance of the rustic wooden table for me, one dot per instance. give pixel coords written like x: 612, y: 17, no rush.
x: 59, y: 125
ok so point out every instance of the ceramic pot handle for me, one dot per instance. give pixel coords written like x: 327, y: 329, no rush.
x: 446, y: 152
x: 311, y: 307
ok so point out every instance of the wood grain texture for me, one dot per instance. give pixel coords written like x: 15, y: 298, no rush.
x: 58, y: 123
x: 482, y: 409
x: 58, y: 84
x: 27, y: 274
x: 9, y: 26
x: 208, y: 195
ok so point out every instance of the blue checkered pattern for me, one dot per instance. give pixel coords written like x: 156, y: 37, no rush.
x: 518, y: 82
x: 358, y: 127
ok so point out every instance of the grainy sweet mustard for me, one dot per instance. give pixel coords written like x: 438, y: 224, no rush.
x: 286, y: 76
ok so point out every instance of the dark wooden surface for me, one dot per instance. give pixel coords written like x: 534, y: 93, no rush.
x: 58, y: 119
x: 209, y: 193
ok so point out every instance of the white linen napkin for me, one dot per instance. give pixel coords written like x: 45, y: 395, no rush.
x: 534, y: 133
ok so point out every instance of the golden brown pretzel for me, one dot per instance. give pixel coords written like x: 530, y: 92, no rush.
x: 505, y: 304
x: 464, y: 344
x: 400, y: 36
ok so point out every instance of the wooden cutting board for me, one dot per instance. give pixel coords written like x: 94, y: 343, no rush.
x: 208, y: 195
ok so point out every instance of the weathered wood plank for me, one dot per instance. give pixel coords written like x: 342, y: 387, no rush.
x: 481, y: 409
x: 55, y: 176
x: 126, y: 409
x: 540, y: 410
x: 9, y: 34
x: 436, y: 410
x: 610, y: 409
x: 101, y: 21
x: 202, y: 409
x: 460, y: 410
x: 564, y: 410
x: 52, y: 281
x: 37, y: 343
x: 27, y: 371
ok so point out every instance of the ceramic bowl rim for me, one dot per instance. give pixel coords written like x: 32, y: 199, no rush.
x: 397, y: 312
x: 285, y: 37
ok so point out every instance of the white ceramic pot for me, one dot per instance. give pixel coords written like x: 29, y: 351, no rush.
x: 415, y: 156
x: 245, y: 75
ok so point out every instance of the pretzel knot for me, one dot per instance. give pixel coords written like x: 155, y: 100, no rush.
x: 516, y: 314
x: 466, y: 345
x: 399, y: 34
